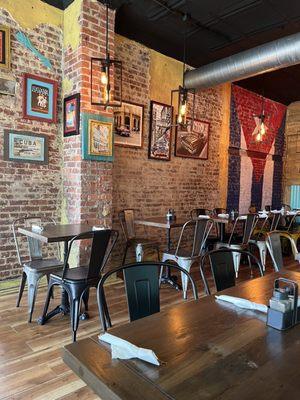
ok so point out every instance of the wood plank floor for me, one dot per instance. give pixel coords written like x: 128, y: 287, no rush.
x: 31, y: 366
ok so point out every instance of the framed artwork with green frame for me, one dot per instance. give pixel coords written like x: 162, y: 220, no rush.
x: 97, y: 137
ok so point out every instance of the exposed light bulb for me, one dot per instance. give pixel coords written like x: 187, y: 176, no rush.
x: 104, y: 78
x: 262, y: 129
x: 182, y: 108
x: 179, y: 118
x: 258, y: 137
x: 106, y: 95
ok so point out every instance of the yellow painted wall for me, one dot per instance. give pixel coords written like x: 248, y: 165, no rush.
x: 30, y: 13
x: 71, y: 25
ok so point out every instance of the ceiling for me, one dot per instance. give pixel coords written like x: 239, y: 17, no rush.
x: 214, y: 29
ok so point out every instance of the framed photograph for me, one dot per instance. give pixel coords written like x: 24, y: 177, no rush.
x: 7, y: 86
x: 128, y: 122
x: 4, y: 47
x: 39, y: 98
x: 160, y: 131
x: 193, y: 141
x: 25, y: 147
x: 97, y: 137
x: 72, y: 115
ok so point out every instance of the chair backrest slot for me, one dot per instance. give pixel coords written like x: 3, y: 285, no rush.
x: 126, y: 218
x: 142, y: 289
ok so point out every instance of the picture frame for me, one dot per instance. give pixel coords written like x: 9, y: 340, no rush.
x: 39, y: 98
x: 193, y: 142
x: 128, y: 125
x: 23, y: 147
x: 160, y: 131
x: 72, y: 115
x: 7, y: 86
x: 4, y: 47
x: 97, y: 137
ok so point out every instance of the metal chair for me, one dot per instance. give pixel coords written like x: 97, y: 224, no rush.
x: 142, y: 289
x: 126, y: 218
x: 274, y: 246
x: 34, y: 265
x: 186, y: 257
x: 77, y: 281
x: 223, y: 267
x: 237, y: 242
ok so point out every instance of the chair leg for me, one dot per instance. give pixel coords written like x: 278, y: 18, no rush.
x: 158, y: 255
x: 250, y: 265
x: 33, y: 281
x: 75, y: 305
x: 22, y: 286
x: 125, y: 254
x: 48, y: 279
x: 184, y: 279
x: 47, y: 301
x: 85, y: 299
x: 236, y: 262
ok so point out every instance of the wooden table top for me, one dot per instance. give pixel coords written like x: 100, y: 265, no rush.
x: 56, y: 233
x: 162, y: 222
x: 212, y: 350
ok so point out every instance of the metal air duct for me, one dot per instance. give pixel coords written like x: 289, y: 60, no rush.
x: 274, y: 55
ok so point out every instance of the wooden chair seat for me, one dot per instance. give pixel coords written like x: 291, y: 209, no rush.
x: 44, y: 264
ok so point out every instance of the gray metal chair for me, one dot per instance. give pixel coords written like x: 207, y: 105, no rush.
x: 34, y: 265
x: 126, y: 218
x: 240, y: 243
x: 186, y: 257
x: 274, y: 246
x: 142, y: 289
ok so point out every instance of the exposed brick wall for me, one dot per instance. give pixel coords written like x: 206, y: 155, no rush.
x: 153, y: 186
x: 28, y: 188
x: 256, y: 185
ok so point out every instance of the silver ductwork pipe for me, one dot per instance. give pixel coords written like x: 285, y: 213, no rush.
x: 268, y: 57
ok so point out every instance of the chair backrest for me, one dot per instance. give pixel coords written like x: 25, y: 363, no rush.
x: 275, y: 219
x: 196, y: 212
x: 202, y: 228
x: 222, y: 267
x: 249, y: 225
x: 34, y: 245
x: 274, y: 246
x: 142, y: 288
x: 126, y: 218
x: 98, y: 252
x: 292, y: 221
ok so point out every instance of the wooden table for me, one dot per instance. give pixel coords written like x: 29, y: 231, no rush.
x: 212, y: 350
x: 53, y: 234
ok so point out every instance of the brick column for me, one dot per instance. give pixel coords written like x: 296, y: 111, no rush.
x: 87, y: 185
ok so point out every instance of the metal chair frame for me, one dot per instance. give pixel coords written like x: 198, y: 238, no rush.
x: 33, y: 270
x: 102, y: 305
x: 226, y: 250
x: 277, y: 259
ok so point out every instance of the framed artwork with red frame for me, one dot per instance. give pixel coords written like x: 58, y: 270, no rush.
x: 39, y: 98
x: 72, y: 115
x: 4, y: 47
x: 192, y: 142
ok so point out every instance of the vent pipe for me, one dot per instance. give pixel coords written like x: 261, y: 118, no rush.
x: 268, y: 57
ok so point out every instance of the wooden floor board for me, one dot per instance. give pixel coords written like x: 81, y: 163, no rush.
x: 30, y: 355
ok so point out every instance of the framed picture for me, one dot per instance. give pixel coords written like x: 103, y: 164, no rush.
x: 7, y: 86
x: 4, y: 47
x: 97, y: 137
x: 193, y: 142
x: 160, y: 131
x: 25, y: 147
x: 72, y: 115
x: 39, y: 98
x: 128, y: 122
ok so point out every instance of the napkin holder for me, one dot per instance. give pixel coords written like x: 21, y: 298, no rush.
x: 283, y: 310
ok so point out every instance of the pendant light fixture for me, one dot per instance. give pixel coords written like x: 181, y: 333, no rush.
x: 106, y: 75
x: 260, y: 129
x: 186, y: 97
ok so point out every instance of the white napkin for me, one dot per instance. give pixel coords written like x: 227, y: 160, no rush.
x: 243, y: 303
x: 203, y: 216
x: 291, y: 212
x: 98, y: 228
x: 276, y: 211
x: 37, y: 228
x: 124, y: 350
x: 242, y: 217
x: 263, y: 215
x: 223, y: 215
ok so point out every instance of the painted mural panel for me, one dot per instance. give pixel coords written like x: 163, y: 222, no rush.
x: 261, y: 185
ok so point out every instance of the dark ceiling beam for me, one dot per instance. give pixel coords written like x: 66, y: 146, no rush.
x: 61, y: 4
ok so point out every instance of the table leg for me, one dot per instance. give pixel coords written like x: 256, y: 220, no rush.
x: 167, y: 278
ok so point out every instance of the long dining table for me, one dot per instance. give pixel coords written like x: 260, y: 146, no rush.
x: 210, y: 350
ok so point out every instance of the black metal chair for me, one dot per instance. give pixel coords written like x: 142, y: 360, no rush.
x: 223, y: 268
x: 77, y: 281
x: 126, y: 218
x: 142, y: 289
x: 34, y: 264
x: 274, y: 246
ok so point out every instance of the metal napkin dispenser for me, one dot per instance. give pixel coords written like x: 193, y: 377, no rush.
x: 283, y: 306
